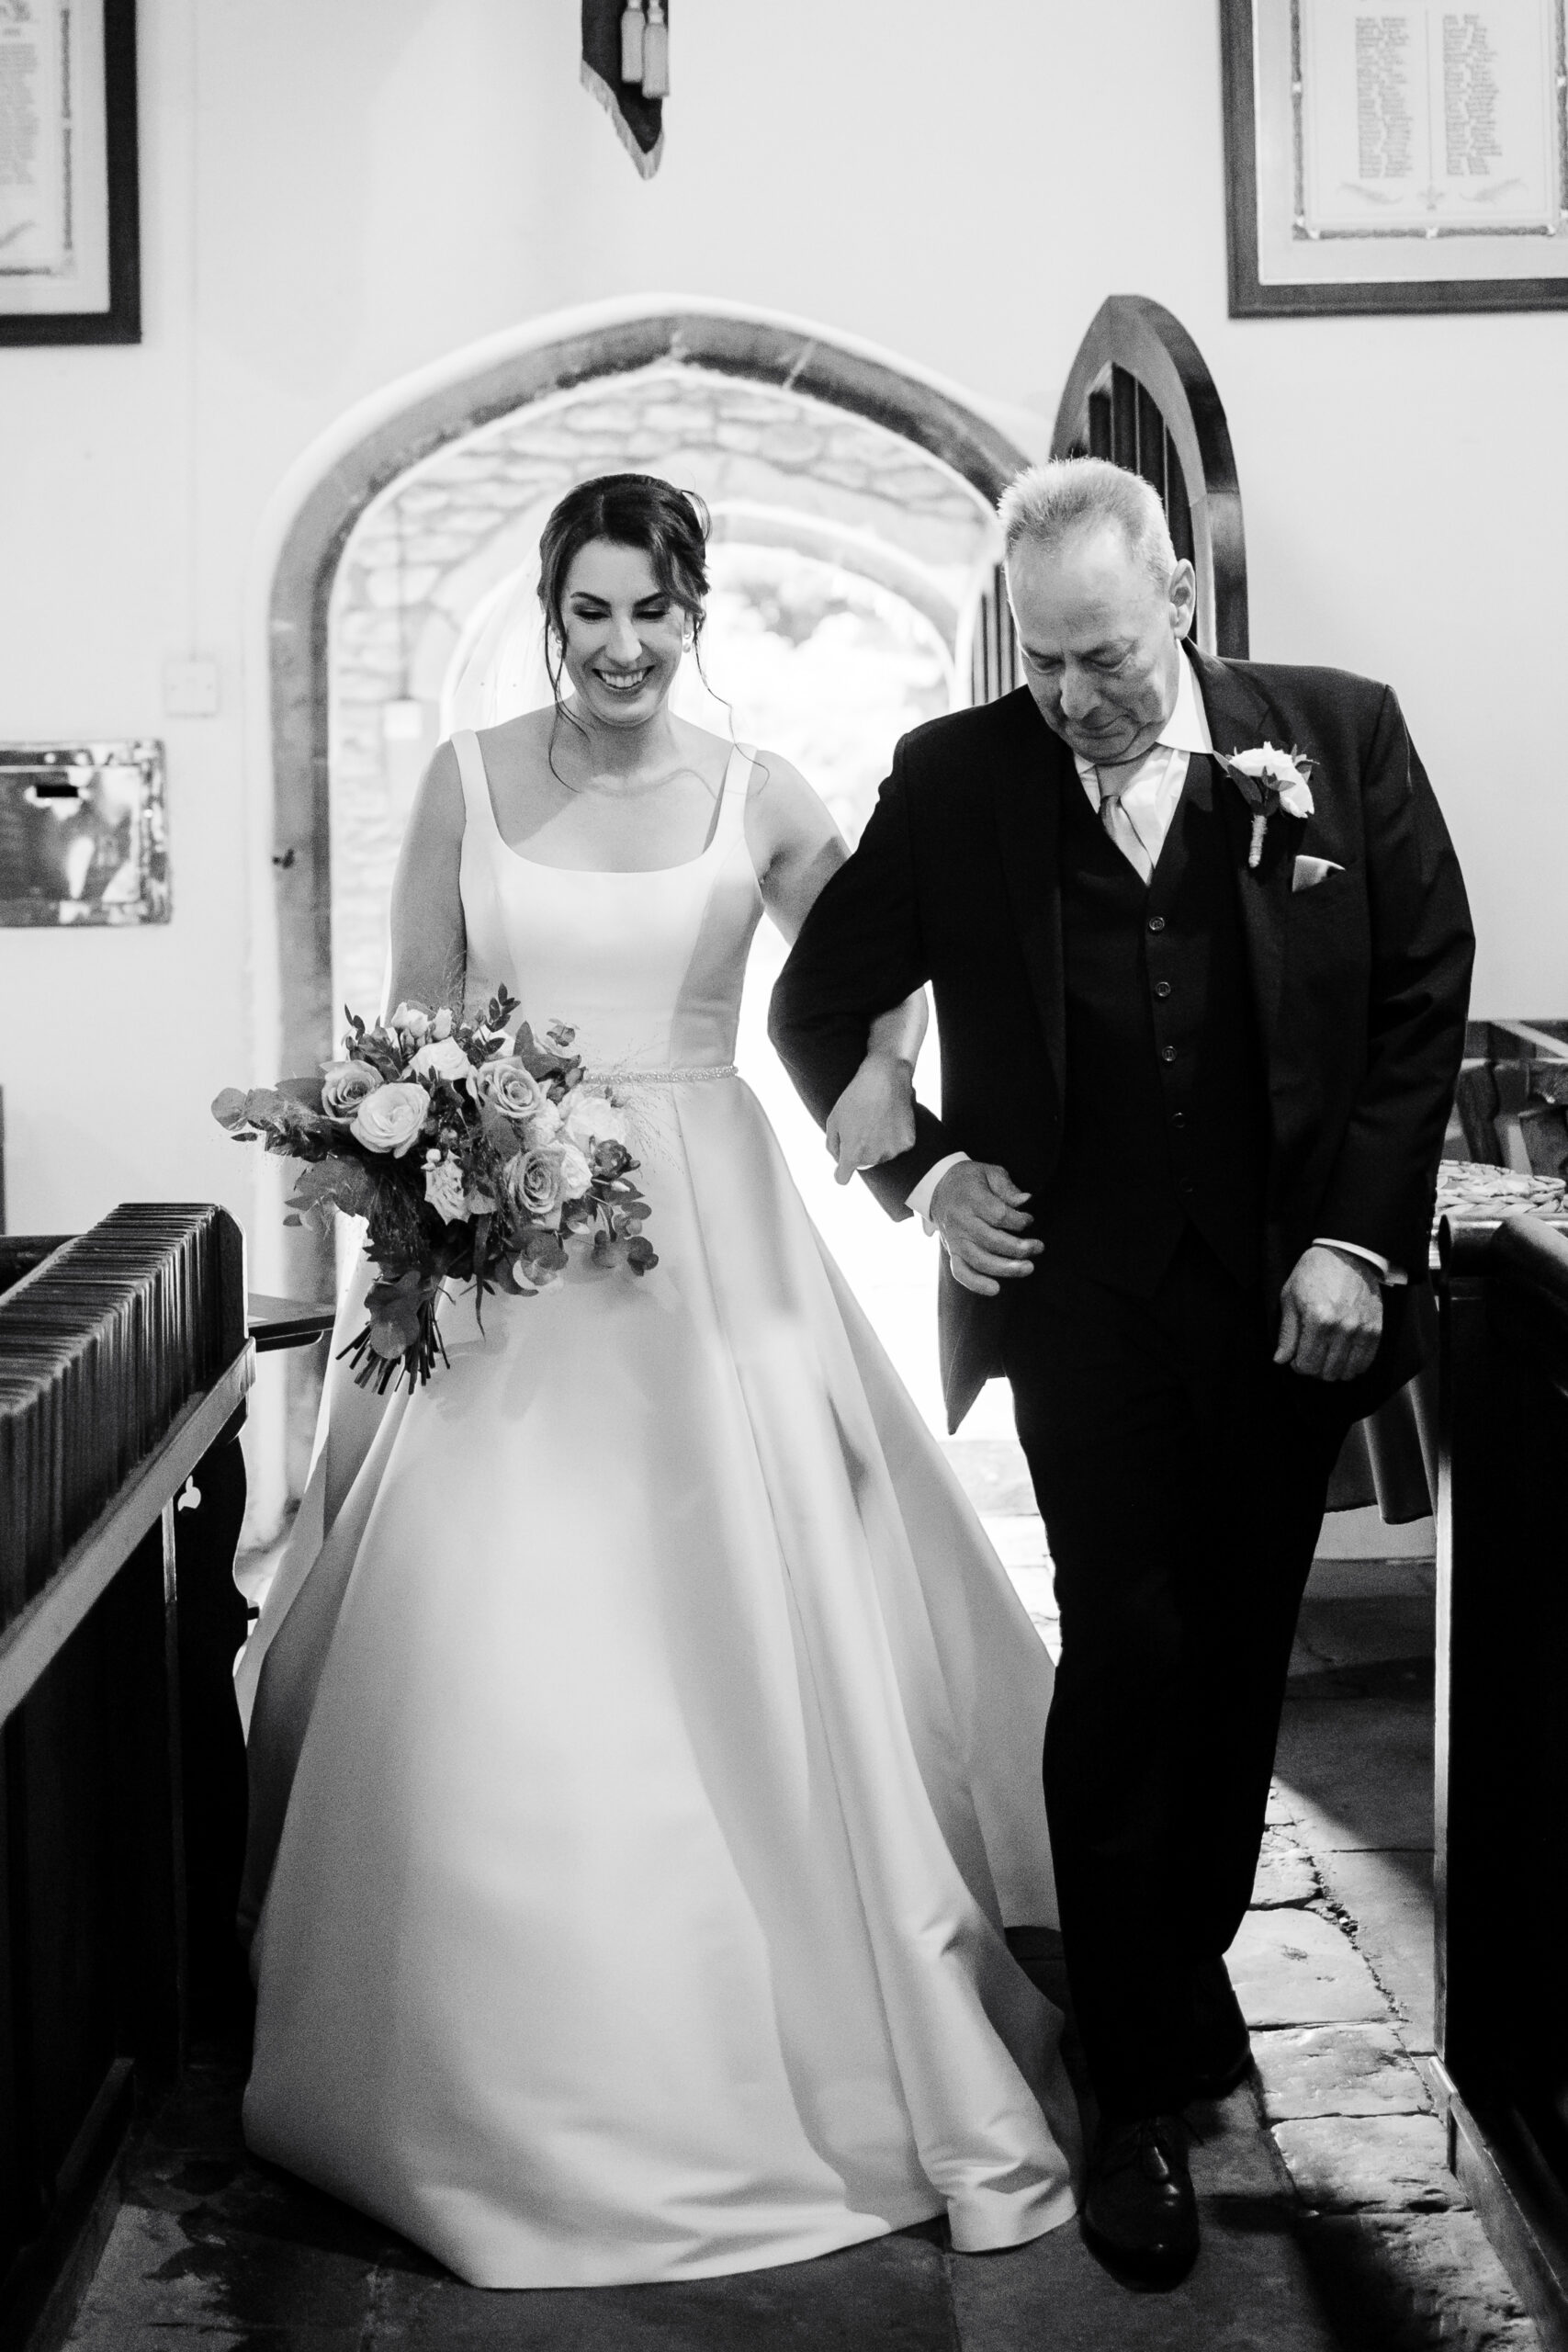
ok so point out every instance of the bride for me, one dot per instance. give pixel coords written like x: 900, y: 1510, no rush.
x: 645, y: 1741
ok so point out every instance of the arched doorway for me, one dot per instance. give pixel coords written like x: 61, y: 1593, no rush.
x: 940, y: 436
x: 801, y: 442
x: 804, y: 488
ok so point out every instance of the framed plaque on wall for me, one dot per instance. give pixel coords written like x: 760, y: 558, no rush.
x: 69, y: 233
x: 1410, y: 156
x: 82, y: 833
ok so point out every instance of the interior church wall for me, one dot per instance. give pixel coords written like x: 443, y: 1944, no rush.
x: 336, y: 195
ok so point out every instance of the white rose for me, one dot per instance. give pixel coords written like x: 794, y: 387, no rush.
x: 543, y: 1125
x: 442, y: 1025
x: 588, y: 1119
x: 444, y: 1186
x: 533, y: 1179
x: 443, y: 1058
x: 411, y: 1019
x: 1287, y: 772
x: 390, y: 1119
x: 503, y: 1084
x: 344, y: 1086
x: 576, y: 1176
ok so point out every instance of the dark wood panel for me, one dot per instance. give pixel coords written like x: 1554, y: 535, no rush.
x: 20, y: 2205
x: 212, y: 1627
x: 1124, y: 419
x: 70, y: 1865
x: 1501, y: 1877
x: 1152, y: 443
x: 122, y: 1767
x: 1140, y: 394
x: 93, y: 1968
x: 1175, y: 504
x: 994, y: 667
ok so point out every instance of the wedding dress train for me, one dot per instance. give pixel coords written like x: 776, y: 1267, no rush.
x: 645, y: 1741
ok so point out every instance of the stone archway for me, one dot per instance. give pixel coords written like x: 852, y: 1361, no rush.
x: 752, y: 353
x: 433, y: 552
x: 887, y: 472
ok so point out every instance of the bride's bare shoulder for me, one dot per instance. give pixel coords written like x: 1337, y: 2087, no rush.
x: 776, y: 781
x: 786, y: 818
x: 527, y: 736
x: 702, y: 751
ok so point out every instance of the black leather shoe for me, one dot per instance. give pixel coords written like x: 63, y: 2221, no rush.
x: 1140, y: 2216
x: 1223, y: 2046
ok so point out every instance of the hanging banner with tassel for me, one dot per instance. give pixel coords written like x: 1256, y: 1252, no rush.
x: 626, y: 63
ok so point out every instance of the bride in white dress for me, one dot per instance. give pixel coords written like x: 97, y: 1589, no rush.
x: 645, y: 1741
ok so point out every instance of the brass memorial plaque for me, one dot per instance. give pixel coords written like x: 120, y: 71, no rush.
x: 81, y: 837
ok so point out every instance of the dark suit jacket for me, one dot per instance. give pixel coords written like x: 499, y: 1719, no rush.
x: 1360, y: 984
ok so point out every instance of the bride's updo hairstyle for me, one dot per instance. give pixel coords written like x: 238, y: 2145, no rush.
x: 669, y: 525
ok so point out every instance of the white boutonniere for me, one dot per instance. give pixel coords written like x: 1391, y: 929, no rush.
x: 1270, y: 780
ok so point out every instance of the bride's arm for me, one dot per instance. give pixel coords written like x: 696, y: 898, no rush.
x: 796, y: 847
x: 429, y: 945
x: 873, y: 1118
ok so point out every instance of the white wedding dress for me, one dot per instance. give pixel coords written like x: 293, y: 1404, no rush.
x: 645, y: 1740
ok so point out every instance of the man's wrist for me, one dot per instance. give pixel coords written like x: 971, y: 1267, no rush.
x: 919, y: 1195
x: 1391, y: 1277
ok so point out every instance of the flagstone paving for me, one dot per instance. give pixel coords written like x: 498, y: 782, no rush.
x: 1337, y: 2070
x: 1331, y: 2222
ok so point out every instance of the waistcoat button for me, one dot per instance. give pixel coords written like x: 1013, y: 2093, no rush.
x: 1156, y: 923
x: 1162, y: 987
x: 1167, y: 1053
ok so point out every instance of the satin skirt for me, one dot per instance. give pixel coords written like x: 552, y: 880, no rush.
x: 645, y: 1749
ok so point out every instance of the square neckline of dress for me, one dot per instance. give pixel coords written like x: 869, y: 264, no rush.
x: 721, y: 835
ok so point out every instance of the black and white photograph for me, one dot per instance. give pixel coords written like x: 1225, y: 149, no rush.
x: 783, y: 1176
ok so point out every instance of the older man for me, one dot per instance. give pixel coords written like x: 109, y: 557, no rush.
x: 1201, y: 954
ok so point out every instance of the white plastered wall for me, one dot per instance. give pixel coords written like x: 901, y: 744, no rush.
x: 336, y: 196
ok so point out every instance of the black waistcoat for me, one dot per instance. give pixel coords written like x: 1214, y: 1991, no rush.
x: 1166, y: 1113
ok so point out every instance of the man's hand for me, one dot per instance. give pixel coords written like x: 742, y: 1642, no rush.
x: 1331, y: 1316
x: 873, y: 1118
x: 978, y: 1211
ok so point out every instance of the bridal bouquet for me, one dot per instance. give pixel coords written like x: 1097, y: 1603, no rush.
x: 472, y: 1155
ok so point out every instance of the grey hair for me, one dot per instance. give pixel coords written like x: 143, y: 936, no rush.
x: 1047, y: 505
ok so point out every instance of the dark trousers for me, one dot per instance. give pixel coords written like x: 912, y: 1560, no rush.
x: 1181, y: 1478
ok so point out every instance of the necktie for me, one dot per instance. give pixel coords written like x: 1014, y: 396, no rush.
x: 1120, y: 826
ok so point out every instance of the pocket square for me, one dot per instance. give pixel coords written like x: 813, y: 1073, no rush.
x: 1309, y: 871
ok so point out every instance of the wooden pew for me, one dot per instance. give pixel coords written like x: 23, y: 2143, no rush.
x: 124, y: 1366
x: 1501, y: 1883
x: 1510, y: 1111
x: 1511, y: 1105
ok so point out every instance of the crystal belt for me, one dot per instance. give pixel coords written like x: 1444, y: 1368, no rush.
x: 631, y: 1076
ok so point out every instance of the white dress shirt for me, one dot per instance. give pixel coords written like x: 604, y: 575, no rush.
x: 1137, y: 820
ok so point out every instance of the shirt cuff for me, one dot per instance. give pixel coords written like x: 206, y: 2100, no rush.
x: 919, y: 1195
x: 1394, y: 1277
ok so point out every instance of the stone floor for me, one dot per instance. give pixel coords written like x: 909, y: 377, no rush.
x: 1331, y: 2222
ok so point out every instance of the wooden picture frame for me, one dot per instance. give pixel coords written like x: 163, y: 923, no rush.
x: 70, y: 229
x: 1360, y: 150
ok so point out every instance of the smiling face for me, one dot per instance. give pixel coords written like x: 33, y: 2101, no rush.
x: 623, y: 634
x: 1099, y: 639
